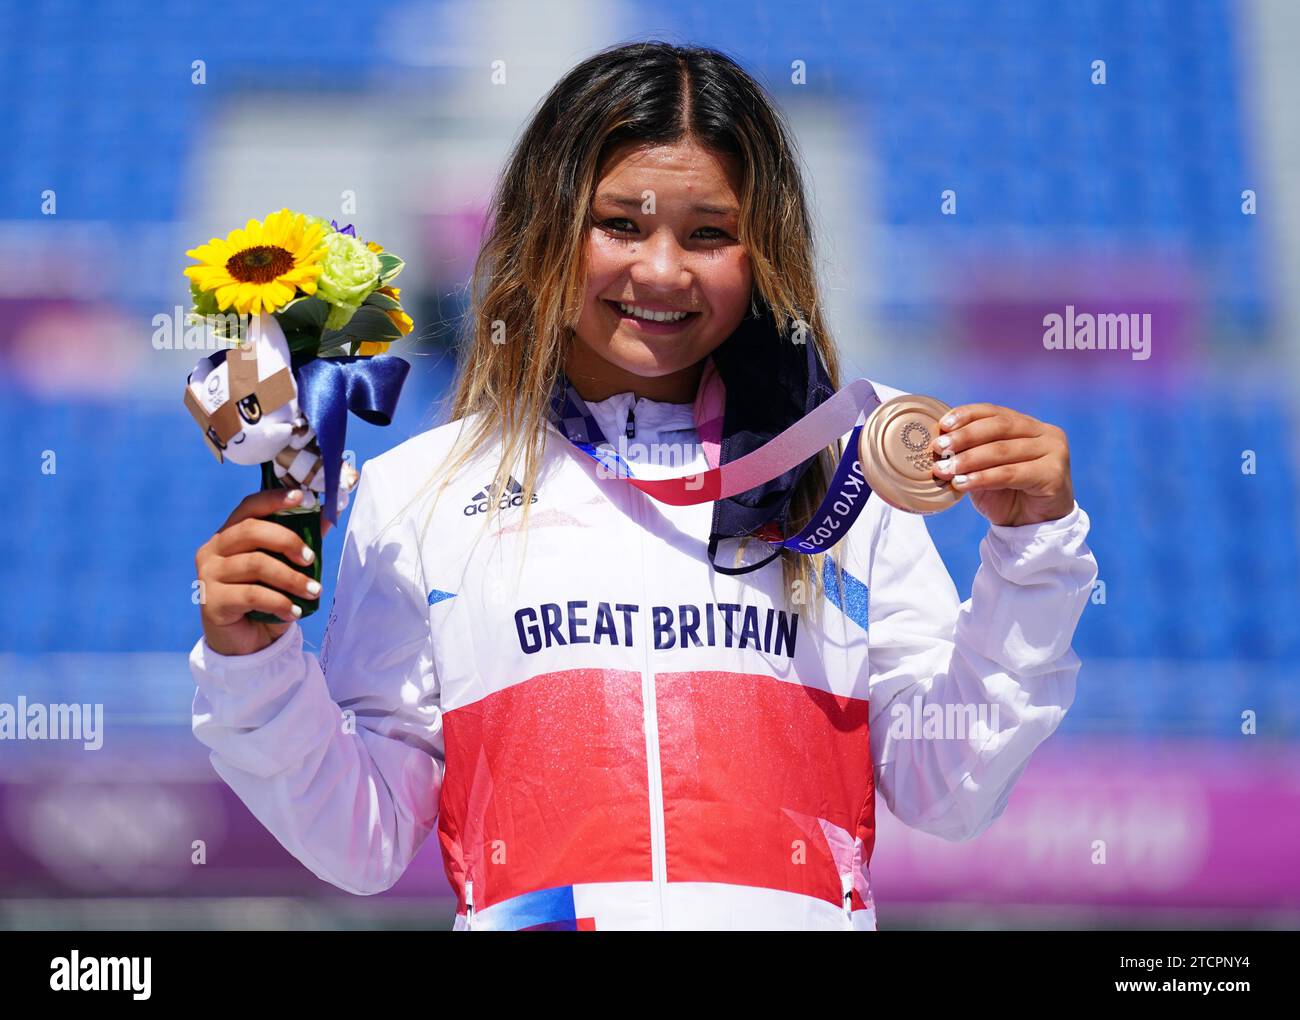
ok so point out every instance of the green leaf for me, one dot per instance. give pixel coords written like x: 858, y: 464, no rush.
x: 383, y: 301
x: 205, y: 302
x: 303, y: 320
x: 332, y: 343
x: 389, y: 266
x: 302, y: 340
x: 304, y: 313
x: 368, y: 323
x: 372, y: 324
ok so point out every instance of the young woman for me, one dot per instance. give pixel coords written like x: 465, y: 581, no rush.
x: 619, y: 713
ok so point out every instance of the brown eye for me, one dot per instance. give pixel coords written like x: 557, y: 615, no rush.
x: 250, y: 410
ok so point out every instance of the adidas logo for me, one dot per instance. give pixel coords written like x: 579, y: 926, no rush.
x: 513, y: 496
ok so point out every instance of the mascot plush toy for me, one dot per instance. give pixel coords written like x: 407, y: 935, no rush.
x: 245, y: 400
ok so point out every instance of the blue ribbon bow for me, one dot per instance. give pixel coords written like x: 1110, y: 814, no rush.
x: 328, y: 388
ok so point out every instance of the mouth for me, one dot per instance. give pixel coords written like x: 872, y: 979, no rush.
x: 652, y: 321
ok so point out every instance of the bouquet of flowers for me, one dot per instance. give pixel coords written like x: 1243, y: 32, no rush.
x: 301, y: 312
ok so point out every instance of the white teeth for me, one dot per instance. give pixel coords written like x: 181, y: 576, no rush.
x: 643, y: 313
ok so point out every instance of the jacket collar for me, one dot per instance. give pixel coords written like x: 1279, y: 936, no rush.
x: 769, y: 382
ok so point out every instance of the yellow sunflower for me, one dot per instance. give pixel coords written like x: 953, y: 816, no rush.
x: 261, y: 267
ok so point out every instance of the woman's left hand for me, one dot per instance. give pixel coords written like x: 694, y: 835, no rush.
x: 1016, y: 468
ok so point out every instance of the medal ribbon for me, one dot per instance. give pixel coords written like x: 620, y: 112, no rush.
x: 807, y: 437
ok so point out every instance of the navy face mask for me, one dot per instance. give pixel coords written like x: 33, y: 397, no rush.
x: 771, y: 382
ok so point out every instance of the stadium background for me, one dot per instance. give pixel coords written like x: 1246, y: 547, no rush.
x: 1118, y: 197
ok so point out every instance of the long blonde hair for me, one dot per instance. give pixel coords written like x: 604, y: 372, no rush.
x: 529, y: 279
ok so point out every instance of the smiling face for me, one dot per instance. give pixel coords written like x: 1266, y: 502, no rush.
x: 644, y: 269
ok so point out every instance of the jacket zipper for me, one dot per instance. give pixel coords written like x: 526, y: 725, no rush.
x: 650, y: 715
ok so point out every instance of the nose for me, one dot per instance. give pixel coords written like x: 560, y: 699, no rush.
x: 661, y: 263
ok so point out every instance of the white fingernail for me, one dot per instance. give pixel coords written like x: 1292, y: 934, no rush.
x: 944, y: 441
x: 307, y: 554
x: 297, y: 609
x: 946, y: 464
x: 959, y: 480
x: 313, y: 587
x: 949, y: 421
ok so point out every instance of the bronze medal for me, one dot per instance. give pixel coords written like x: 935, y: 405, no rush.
x: 896, y: 456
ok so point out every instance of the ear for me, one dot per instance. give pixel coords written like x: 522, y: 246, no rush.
x: 201, y: 416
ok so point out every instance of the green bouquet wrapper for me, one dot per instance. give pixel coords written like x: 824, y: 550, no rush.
x: 306, y: 525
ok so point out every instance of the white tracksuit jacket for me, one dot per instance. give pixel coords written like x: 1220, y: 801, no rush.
x: 605, y: 732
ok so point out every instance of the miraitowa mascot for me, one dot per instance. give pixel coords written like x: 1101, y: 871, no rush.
x: 245, y: 400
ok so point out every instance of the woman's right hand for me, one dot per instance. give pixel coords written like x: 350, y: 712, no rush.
x: 238, y: 576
